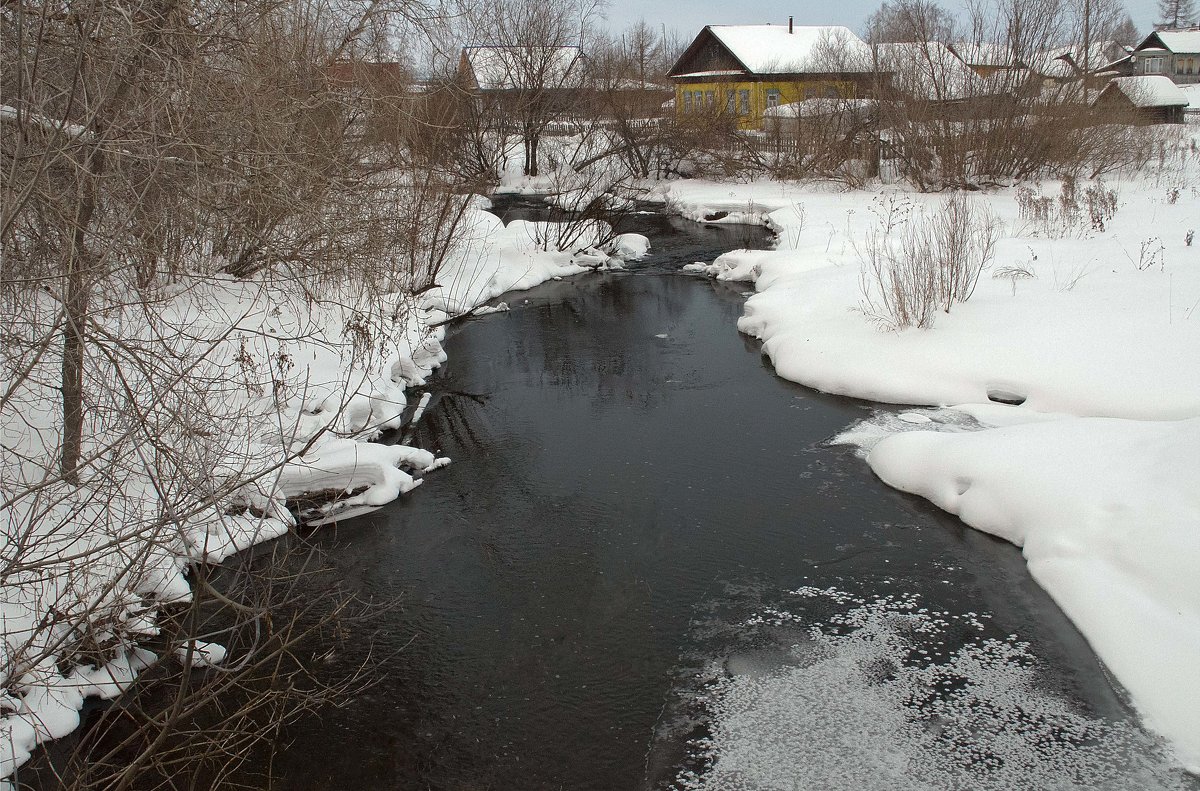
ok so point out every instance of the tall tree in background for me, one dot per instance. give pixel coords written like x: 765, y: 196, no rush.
x: 905, y: 21
x: 1175, y: 14
x: 1092, y: 23
x: 1124, y: 32
x: 537, y: 62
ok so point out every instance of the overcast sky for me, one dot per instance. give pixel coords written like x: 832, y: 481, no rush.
x: 689, y: 16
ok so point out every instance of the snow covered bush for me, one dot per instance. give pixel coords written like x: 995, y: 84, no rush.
x: 934, y: 263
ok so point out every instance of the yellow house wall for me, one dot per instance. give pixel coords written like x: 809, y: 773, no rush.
x: 789, y: 91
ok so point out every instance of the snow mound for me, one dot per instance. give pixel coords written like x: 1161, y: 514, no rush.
x: 1107, y: 512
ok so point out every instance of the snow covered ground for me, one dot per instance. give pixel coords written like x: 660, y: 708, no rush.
x: 316, y: 374
x: 1095, y: 330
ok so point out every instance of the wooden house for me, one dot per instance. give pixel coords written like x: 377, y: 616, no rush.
x: 1172, y: 53
x: 516, y: 78
x: 988, y: 59
x: 374, y: 77
x: 743, y: 70
x: 1151, y: 99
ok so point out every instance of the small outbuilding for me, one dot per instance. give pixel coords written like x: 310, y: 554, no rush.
x: 1152, y: 99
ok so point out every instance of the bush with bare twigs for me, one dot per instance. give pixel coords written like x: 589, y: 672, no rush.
x: 915, y: 268
x: 178, y: 179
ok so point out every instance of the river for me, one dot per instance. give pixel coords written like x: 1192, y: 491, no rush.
x: 640, y: 514
x: 648, y: 568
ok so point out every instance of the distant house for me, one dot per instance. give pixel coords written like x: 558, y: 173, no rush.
x: 928, y: 72
x: 628, y: 97
x: 1152, y: 99
x: 744, y: 70
x: 931, y: 82
x: 375, y: 78
x: 1172, y: 53
x: 1121, y: 66
x: 1075, y: 63
x: 987, y: 59
x: 522, y: 74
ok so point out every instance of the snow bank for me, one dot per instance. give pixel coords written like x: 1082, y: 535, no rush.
x: 516, y: 257
x: 629, y: 246
x: 1089, y: 333
x: 1093, y: 328
x: 1107, y: 512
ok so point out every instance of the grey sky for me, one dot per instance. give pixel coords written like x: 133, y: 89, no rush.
x: 689, y: 16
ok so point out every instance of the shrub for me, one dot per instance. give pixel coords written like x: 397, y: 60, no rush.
x: 935, y: 263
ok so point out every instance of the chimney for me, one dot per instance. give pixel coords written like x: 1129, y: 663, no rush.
x: 789, y: 25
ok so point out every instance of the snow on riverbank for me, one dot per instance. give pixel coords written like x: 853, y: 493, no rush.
x: 305, y: 378
x: 1082, y: 321
x: 1107, y: 512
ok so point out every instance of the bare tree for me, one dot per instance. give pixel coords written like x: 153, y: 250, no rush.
x: 1093, y: 23
x: 909, y: 21
x: 535, y: 71
x: 1174, y: 14
x: 628, y: 90
x: 153, y: 151
x: 1123, y: 31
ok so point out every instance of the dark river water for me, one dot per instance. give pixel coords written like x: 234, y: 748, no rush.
x: 632, y: 490
x: 647, y: 568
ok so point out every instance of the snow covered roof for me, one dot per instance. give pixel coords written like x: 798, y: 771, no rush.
x: 1192, y: 92
x: 1148, y: 91
x: 815, y: 108
x: 984, y: 54
x: 928, y: 70
x: 1068, y: 61
x: 508, y: 67
x: 1180, y: 40
x: 713, y: 73
x: 12, y: 115
x: 771, y: 49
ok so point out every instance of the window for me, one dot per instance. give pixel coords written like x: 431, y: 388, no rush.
x: 832, y: 93
x: 708, y: 100
x: 730, y: 102
x: 687, y: 101
x: 744, y: 102
x: 1154, y: 65
x: 810, y: 93
x: 772, y: 98
x: 698, y: 98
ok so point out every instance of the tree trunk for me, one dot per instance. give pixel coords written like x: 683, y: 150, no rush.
x: 75, y: 305
x: 531, y: 153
